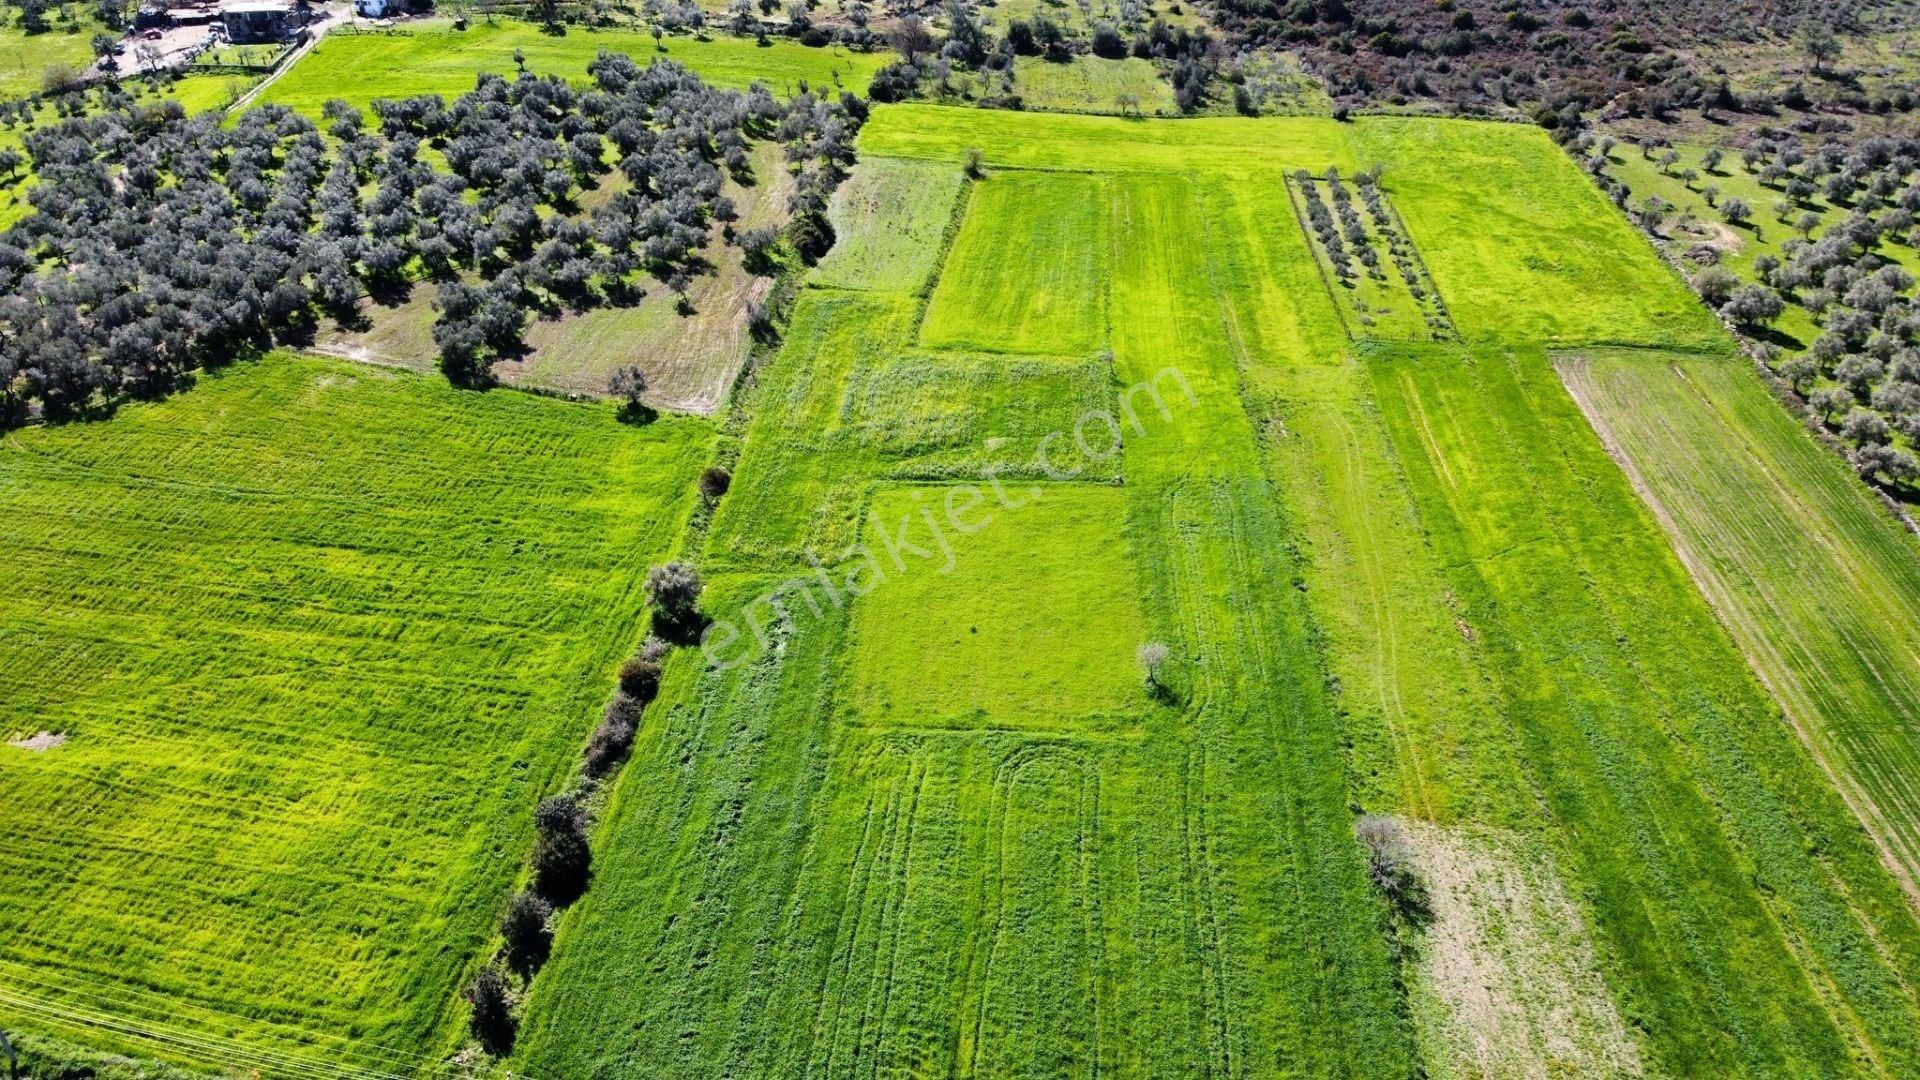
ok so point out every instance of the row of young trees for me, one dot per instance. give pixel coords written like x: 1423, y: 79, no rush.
x: 161, y: 243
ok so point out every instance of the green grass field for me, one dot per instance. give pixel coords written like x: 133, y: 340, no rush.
x: 25, y: 58
x: 317, y: 636
x: 1394, y: 577
x: 890, y: 220
x: 1057, y: 623
x: 1629, y: 659
x: 440, y: 60
x: 1048, y: 300
x: 1817, y: 583
x: 1092, y: 84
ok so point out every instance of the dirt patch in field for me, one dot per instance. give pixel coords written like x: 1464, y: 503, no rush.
x: 1506, y: 982
x: 40, y: 743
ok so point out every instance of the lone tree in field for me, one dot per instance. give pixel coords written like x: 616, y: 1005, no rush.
x: 1390, y: 867
x: 524, y: 930
x: 674, y: 589
x: 492, y: 1021
x: 1153, y: 657
x: 714, y: 482
x: 1817, y: 40
x: 629, y: 383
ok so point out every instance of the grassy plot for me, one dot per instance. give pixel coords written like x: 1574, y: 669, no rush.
x: 1028, y: 271
x: 1032, y: 623
x: 25, y: 58
x: 889, y: 221
x: 1178, y: 897
x: 1692, y: 813
x: 1093, y: 84
x: 361, y: 67
x: 1818, y: 584
x: 1104, y: 143
x: 316, y: 637
x: 1528, y: 251
x: 1401, y: 578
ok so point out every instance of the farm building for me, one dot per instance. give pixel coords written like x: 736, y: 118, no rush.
x: 253, y: 22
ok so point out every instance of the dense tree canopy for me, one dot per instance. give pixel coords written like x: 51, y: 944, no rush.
x: 162, y: 243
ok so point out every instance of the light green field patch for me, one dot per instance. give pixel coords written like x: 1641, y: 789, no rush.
x: 889, y: 220
x: 25, y: 58
x: 1110, y: 143
x: 1524, y: 248
x: 1131, y: 86
x: 319, y: 635
x: 1028, y: 271
x: 957, y: 416
x: 1035, y: 626
x: 361, y: 67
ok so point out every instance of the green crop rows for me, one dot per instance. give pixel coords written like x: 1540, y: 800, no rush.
x: 318, y: 635
x: 1818, y: 584
x: 915, y: 821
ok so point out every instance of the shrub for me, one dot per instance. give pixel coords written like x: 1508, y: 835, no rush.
x: 640, y: 679
x: 1715, y: 284
x: 629, y: 383
x: 528, y: 939
x: 812, y: 235
x: 674, y: 589
x: 758, y: 247
x: 492, y: 1020
x: 562, y: 859
x: 714, y: 482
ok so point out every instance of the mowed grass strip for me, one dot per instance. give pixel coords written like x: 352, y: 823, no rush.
x: 440, y: 60
x: 1818, y: 583
x: 318, y: 635
x: 1028, y: 272
x: 1033, y: 624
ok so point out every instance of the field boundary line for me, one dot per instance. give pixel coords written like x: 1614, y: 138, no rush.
x: 957, y: 218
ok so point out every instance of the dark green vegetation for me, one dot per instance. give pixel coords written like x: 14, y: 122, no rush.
x: 316, y: 636
x: 161, y: 243
x: 822, y: 857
